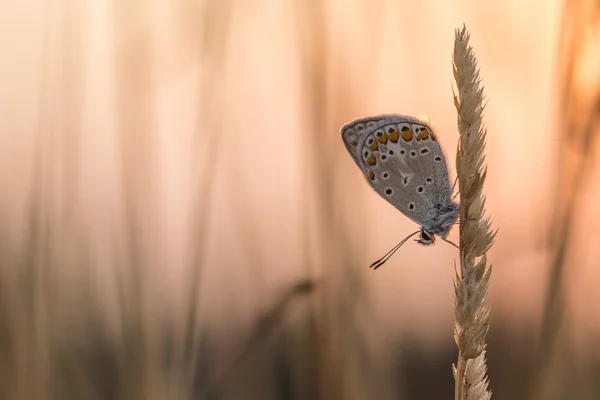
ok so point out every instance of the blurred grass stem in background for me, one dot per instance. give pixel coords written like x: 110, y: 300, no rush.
x: 578, y: 118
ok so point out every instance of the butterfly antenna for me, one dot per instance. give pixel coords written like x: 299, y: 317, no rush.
x: 390, y: 253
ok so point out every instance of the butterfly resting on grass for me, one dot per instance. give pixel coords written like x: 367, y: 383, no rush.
x: 402, y: 160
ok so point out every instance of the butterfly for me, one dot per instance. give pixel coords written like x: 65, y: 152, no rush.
x: 402, y: 160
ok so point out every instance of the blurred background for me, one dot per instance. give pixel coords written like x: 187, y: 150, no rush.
x: 179, y: 217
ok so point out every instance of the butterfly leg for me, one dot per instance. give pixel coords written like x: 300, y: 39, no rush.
x: 454, y: 186
x: 452, y: 243
x: 463, y: 220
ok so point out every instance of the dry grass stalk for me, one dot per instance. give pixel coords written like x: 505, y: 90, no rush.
x: 471, y: 310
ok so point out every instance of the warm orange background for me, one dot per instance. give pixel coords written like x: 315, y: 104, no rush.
x: 231, y: 110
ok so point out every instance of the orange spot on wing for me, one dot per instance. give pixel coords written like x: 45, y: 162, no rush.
x: 374, y: 146
x: 383, y: 138
x: 371, y: 160
x: 407, y: 134
x: 371, y: 175
x: 424, y: 133
x: 393, y: 136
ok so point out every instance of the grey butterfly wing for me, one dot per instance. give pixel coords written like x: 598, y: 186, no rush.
x: 402, y: 161
x: 355, y: 134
